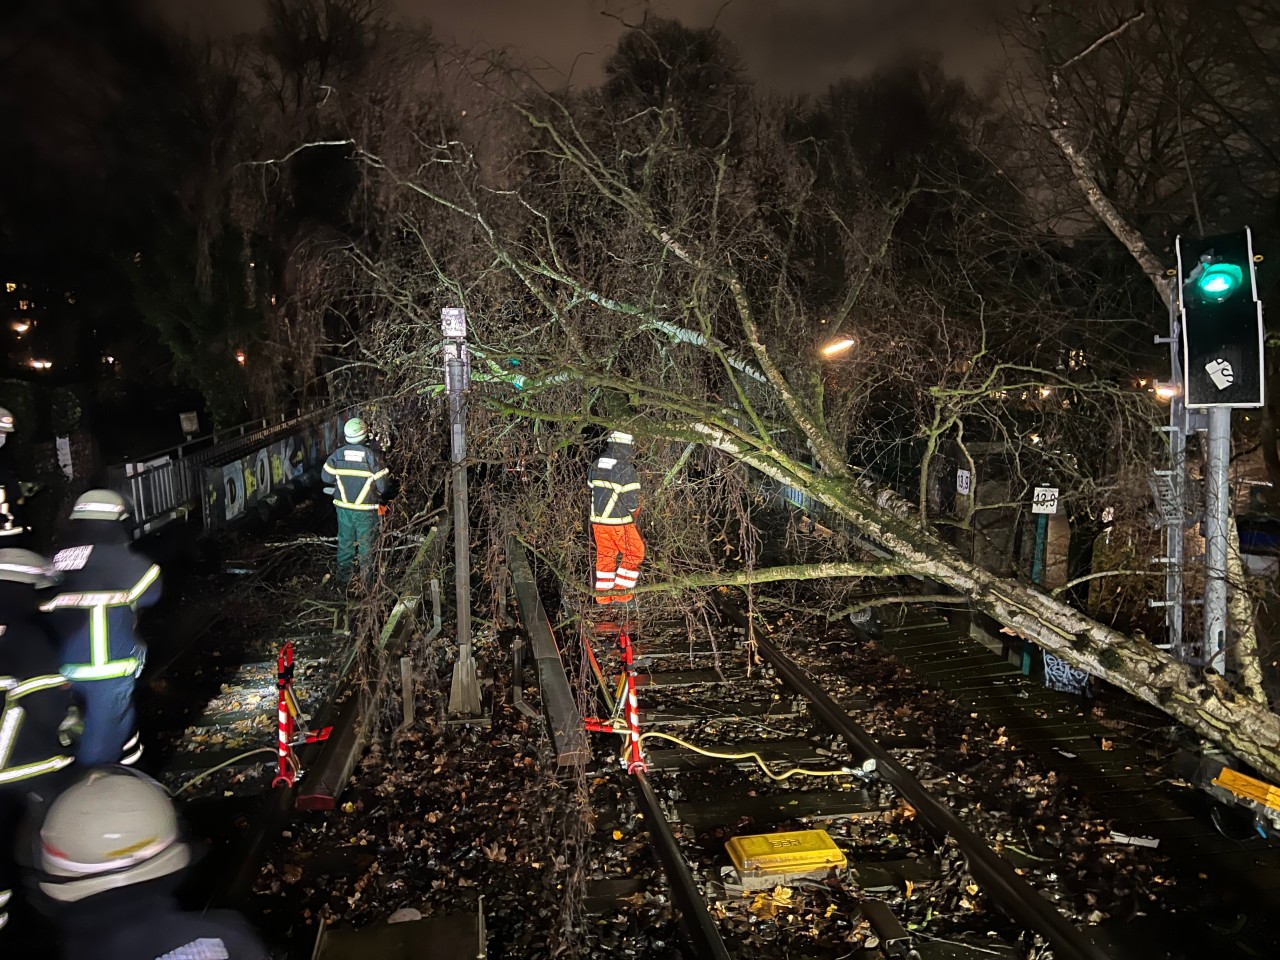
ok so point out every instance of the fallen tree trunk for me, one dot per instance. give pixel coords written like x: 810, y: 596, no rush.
x: 1203, y: 702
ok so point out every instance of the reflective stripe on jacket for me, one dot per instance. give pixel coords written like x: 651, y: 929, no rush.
x: 615, y: 487
x: 94, y: 610
x: 34, y: 699
x: 10, y: 499
x: 359, y: 478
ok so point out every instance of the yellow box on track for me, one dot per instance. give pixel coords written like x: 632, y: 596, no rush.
x: 797, y: 851
x: 1249, y: 788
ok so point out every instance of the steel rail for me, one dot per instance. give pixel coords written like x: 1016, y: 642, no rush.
x: 704, y: 934
x: 570, y: 741
x: 996, y: 875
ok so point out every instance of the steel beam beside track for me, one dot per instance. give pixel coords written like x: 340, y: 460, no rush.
x: 559, y: 705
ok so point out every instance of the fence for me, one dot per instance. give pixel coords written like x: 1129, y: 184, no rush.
x: 224, y: 473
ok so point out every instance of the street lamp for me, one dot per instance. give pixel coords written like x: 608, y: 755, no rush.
x: 836, y: 347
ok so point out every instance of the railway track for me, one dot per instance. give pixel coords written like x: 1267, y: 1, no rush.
x: 714, y: 710
x: 740, y: 742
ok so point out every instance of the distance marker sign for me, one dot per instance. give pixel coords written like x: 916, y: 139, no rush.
x: 1045, y: 500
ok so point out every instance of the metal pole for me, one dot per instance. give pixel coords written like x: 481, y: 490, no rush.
x: 1174, y: 512
x: 1042, y: 541
x: 1216, y: 514
x: 464, y: 694
x: 461, y: 509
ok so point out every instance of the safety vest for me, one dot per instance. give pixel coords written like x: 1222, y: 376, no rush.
x: 102, y: 606
x: 615, y: 489
x: 359, y: 478
x: 11, y: 719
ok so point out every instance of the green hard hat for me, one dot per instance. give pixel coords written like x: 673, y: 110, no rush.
x: 355, y: 430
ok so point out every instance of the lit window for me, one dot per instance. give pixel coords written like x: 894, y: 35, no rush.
x: 10, y: 287
x: 240, y: 357
x: 41, y: 364
x: 24, y: 304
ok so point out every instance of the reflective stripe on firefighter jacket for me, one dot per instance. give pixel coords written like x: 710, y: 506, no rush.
x: 615, y: 487
x: 34, y: 700
x: 94, y: 612
x: 10, y: 500
x: 359, y: 478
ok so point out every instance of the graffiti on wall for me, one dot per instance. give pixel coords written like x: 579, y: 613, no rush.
x: 230, y: 489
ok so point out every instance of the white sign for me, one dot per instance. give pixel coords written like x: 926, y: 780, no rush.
x: 964, y: 482
x: 453, y: 322
x: 64, y: 456
x: 1220, y: 372
x: 190, y: 422
x: 1045, y: 500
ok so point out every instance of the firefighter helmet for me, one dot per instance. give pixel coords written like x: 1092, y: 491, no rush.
x: 114, y: 828
x: 355, y: 430
x: 6, y: 421
x: 25, y: 566
x: 100, y: 505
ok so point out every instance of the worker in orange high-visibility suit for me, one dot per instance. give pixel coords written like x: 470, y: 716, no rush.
x: 615, y: 502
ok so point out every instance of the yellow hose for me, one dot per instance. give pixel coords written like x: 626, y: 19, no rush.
x: 212, y: 770
x: 749, y: 755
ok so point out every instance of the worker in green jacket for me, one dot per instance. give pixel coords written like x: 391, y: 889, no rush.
x: 359, y: 481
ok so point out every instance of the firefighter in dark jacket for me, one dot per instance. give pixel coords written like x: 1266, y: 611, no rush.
x: 12, y: 495
x: 104, y: 582
x: 110, y: 858
x: 359, y: 481
x: 35, y: 709
x: 615, y: 503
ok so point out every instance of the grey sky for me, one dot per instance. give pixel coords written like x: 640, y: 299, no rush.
x: 790, y: 45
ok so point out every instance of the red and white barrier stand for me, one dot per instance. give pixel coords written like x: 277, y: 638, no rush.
x: 629, y: 705
x: 290, y: 721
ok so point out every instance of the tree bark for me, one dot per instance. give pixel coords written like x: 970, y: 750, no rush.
x: 1206, y: 704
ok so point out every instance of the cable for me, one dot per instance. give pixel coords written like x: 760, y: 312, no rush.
x: 749, y: 755
x: 212, y: 770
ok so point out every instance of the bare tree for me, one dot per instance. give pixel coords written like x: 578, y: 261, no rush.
x: 621, y: 272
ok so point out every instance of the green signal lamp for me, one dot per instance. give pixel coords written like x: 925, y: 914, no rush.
x: 1218, y: 281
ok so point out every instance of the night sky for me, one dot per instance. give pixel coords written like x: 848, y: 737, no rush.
x: 793, y: 46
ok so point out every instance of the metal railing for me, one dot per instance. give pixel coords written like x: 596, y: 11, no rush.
x: 166, y: 484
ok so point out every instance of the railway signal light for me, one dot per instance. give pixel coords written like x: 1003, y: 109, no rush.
x: 1222, y: 332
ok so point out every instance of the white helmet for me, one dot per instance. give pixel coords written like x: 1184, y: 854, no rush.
x: 6, y: 421
x: 25, y: 566
x: 355, y: 430
x: 114, y: 828
x: 617, y: 436
x: 100, y: 505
